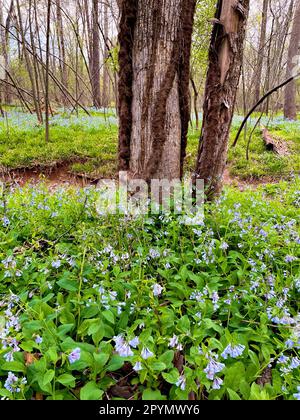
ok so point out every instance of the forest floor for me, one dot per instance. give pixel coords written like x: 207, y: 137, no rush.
x: 83, y: 149
x: 115, y: 306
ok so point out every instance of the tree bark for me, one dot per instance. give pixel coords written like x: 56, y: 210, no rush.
x: 47, y: 87
x: 35, y: 68
x: 290, y: 108
x: 225, y: 62
x: 154, y: 59
x: 3, y: 86
x: 261, y: 52
x: 5, y: 47
x: 62, y: 49
x: 106, y: 81
x: 28, y: 63
x: 95, y: 71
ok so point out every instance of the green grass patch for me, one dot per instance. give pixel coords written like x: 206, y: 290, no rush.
x: 89, y: 144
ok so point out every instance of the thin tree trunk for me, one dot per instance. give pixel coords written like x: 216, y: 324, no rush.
x: 269, y: 64
x: 34, y: 60
x: 95, y: 71
x: 196, y: 96
x: 261, y: 52
x: 47, y: 98
x: 62, y: 49
x: 106, y: 79
x: 154, y: 60
x: 5, y: 47
x: 290, y: 108
x: 225, y: 62
x: 3, y: 86
x: 28, y: 64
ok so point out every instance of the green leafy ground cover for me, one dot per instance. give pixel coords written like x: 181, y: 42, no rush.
x: 98, y: 306
x: 89, y: 145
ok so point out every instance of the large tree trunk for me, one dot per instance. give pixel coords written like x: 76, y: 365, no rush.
x: 261, y: 52
x: 290, y: 108
x: 225, y: 62
x: 95, y: 59
x: 155, y: 42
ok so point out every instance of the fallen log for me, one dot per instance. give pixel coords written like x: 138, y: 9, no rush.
x: 275, y: 145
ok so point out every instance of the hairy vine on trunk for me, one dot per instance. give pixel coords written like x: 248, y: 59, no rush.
x: 126, y: 38
x: 225, y: 63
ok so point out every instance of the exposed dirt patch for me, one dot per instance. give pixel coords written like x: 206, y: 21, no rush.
x: 251, y: 182
x: 59, y: 174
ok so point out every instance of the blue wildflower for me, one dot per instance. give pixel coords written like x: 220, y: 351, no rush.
x: 75, y: 355
x: 38, y: 339
x: 290, y: 344
x: 217, y: 383
x: 283, y: 359
x: 135, y: 342
x: 138, y: 367
x: 13, y: 383
x: 56, y: 264
x: 224, y: 246
x: 297, y: 395
x: 122, y: 347
x: 295, y: 363
x: 146, y: 353
x: 157, y: 290
x: 213, y: 368
x: 181, y: 383
x: 233, y: 351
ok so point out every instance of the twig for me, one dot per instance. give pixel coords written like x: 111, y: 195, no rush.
x: 275, y: 89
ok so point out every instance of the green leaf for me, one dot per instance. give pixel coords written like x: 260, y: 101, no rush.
x: 266, y: 352
x: 14, y: 366
x: 67, y: 284
x: 234, y: 375
x: 98, y: 335
x: 91, y: 392
x: 5, y: 393
x: 257, y: 393
x: 52, y: 354
x: 254, y: 359
x: 67, y: 380
x: 184, y: 324
x: 171, y: 377
x: 62, y: 330
x: 49, y: 375
x: 158, y: 366
x: 233, y: 395
x: 116, y: 362
x: 123, y: 321
x: 94, y: 326
x: 100, y: 361
x: 167, y: 358
x: 245, y: 389
x: 151, y: 395
x: 209, y: 324
x: 32, y: 327
x: 109, y: 316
